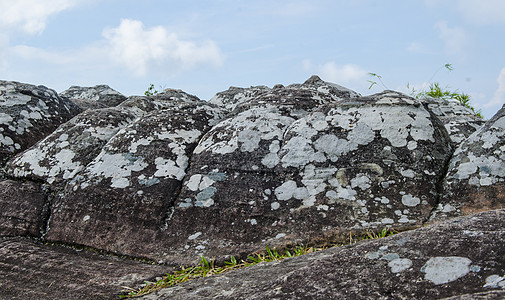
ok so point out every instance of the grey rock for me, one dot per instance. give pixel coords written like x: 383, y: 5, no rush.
x: 264, y: 178
x: 476, y: 175
x: 28, y: 113
x: 24, y: 209
x: 453, y: 258
x: 123, y: 198
x: 99, y: 96
x: 62, y: 155
x: 32, y: 270
x: 459, y: 120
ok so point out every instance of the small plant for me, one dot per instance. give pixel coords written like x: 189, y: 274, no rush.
x: 435, y: 90
x: 207, y: 267
x: 151, y: 91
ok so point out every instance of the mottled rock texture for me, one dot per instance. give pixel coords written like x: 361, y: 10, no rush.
x: 170, y: 177
x: 457, y: 257
x: 476, y: 177
x: 99, y: 96
x: 28, y: 113
x: 24, y: 210
x: 32, y: 270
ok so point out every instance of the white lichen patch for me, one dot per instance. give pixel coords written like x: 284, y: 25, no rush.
x: 440, y: 270
x: 410, y: 200
x: 244, y: 132
x: 117, y: 167
x: 289, y: 189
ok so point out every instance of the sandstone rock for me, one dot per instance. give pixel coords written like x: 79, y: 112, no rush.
x: 264, y: 178
x: 476, y: 176
x: 30, y: 270
x: 99, y: 96
x: 459, y: 120
x: 63, y: 154
x: 454, y: 258
x: 24, y: 209
x: 121, y: 201
x: 28, y: 113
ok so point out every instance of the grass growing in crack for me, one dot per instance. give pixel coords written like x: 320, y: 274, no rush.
x: 207, y: 267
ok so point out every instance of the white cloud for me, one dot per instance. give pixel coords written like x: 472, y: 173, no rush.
x: 340, y: 74
x: 499, y: 94
x: 30, y: 15
x: 139, y: 48
x: 455, y: 39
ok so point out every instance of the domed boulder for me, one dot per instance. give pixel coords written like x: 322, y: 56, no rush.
x: 28, y: 113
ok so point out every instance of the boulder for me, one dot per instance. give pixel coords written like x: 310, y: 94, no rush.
x: 476, y: 176
x: 28, y: 113
x: 461, y: 258
x: 32, y: 270
x: 64, y: 153
x: 459, y: 120
x: 263, y: 177
x: 123, y: 198
x: 99, y: 96
x: 24, y: 209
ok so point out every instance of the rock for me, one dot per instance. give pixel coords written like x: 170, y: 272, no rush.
x: 123, y: 198
x: 24, y: 209
x: 31, y: 270
x: 295, y: 99
x: 459, y: 120
x: 264, y: 178
x: 99, y: 96
x: 476, y: 176
x: 28, y: 113
x: 63, y: 154
x: 454, y: 258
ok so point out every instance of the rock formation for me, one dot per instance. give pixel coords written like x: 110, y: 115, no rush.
x: 170, y: 177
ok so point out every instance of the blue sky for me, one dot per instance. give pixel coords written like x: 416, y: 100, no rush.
x: 203, y: 47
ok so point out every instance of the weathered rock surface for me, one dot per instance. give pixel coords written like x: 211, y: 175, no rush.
x: 476, y: 177
x: 99, y: 96
x: 123, y: 198
x: 268, y: 178
x: 28, y: 113
x: 459, y: 120
x: 24, y: 210
x: 454, y: 258
x: 171, y: 177
x: 31, y: 270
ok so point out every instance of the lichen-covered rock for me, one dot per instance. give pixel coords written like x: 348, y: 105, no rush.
x: 476, y: 175
x: 263, y: 177
x: 234, y: 96
x: 296, y: 99
x: 64, y: 153
x: 99, y: 96
x: 459, y: 120
x: 28, y: 113
x: 458, y: 257
x: 24, y: 210
x: 32, y: 270
x: 121, y: 201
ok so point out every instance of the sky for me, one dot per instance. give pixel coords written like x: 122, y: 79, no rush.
x: 204, y: 47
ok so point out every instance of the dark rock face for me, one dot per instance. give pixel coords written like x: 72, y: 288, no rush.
x: 28, y: 113
x: 459, y: 120
x: 171, y: 178
x: 457, y: 257
x: 32, y: 270
x: 269, y: 179
x: 134, y: 180
x: 99, y: 96
x: 476, y: 177
x: 24, y: 209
